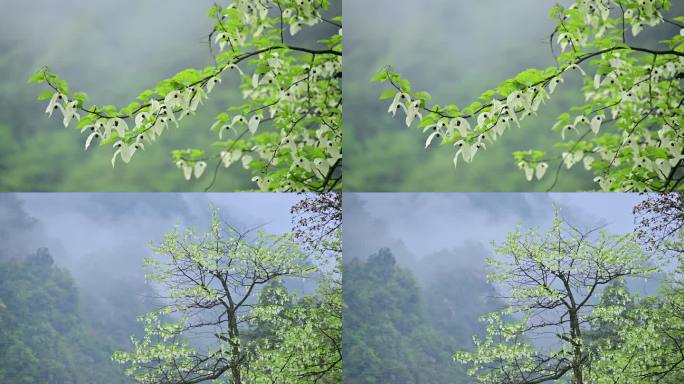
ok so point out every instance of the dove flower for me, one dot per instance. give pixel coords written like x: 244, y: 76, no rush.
x: 674, y: 148
x: 397, y: 102
x: 263, y: 183
x: 610, y: 80
x: 194, y: 98
x: 482, y: 118
x: 301, y: 163
x: 540, y: 170
x: 125, y: 151
x: 529, y: 171
x: 289, y: 142
x: 246, y: 159
x: 70, y: 113
x: 641, y: 162
x: 199, y: 168
x: 540, y: 98
x: 467, y: 151
x: 228, y: 158
x: 596, y: 124
x: 295, y: 27
x: 563, y: 40
x: 174, y: 99
x: 140, y: 119
x: 570, y: 159
x: 460, y: 124
x: 212, y: 82
x: 116, y: 124
x: 91, y: 137
x: 576, y: 67
x: 516, y: 100
x: 631, y: 142
x: 603, y: 183
x: 238, y: 119
x: 580, y: 119
x: 566, y: 129
x: 266, y: 80
x: 554, y: 83
x: 56, y: 103
x: 253, y: 123
x: 221, y: 39
x: 321, y: 166
x: 186, y: 168
x: 223, y: 129
x: 235, y: 67
x: 440, y: 125
x: 335, y: 155
x: 412, y: 112
x: 434, y: 134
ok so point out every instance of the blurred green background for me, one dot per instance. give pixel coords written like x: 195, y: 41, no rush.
x: 454, y: 50
x: 112, y: 50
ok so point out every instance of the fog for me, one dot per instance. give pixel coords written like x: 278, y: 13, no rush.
x: 103, y: 238
x: 457, y: 230
x: 123, y: 40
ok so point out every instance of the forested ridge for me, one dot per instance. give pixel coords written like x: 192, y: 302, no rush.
x: 401, y: 331
x: 46, y: 336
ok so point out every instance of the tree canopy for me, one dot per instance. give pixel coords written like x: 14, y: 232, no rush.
x: 227, y: 313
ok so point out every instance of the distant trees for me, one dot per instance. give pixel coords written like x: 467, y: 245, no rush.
x: 386, y: 327
x: 391, y: 332
x: 44, y: 336
x: 228, y: 315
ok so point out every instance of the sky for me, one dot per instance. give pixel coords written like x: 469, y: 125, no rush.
x: 102, y: 237
x: 417, y: 225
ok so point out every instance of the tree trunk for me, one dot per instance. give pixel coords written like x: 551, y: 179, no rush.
x: 235, y: 349
x: 576, y: 336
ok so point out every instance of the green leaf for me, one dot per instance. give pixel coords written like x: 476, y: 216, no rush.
x: 388, y: 94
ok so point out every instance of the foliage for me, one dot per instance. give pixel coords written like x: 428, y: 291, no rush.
x: 44, y: 337
x: 228, y: 316
x: 659, y: 220
x: 650, y: 339
x: 288, y: 130
x: 638, y: 86
x: 306, y: 345
x: 550, y: 282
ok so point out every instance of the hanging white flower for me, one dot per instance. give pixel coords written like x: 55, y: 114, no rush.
x: 540, y: 170
x: 253, y: 124
x: 199, y: 168
x: 596, y: 124
x: 554, y: 82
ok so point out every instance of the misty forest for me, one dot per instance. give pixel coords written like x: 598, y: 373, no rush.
x: 564, y: 294
x: 226, y: 296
